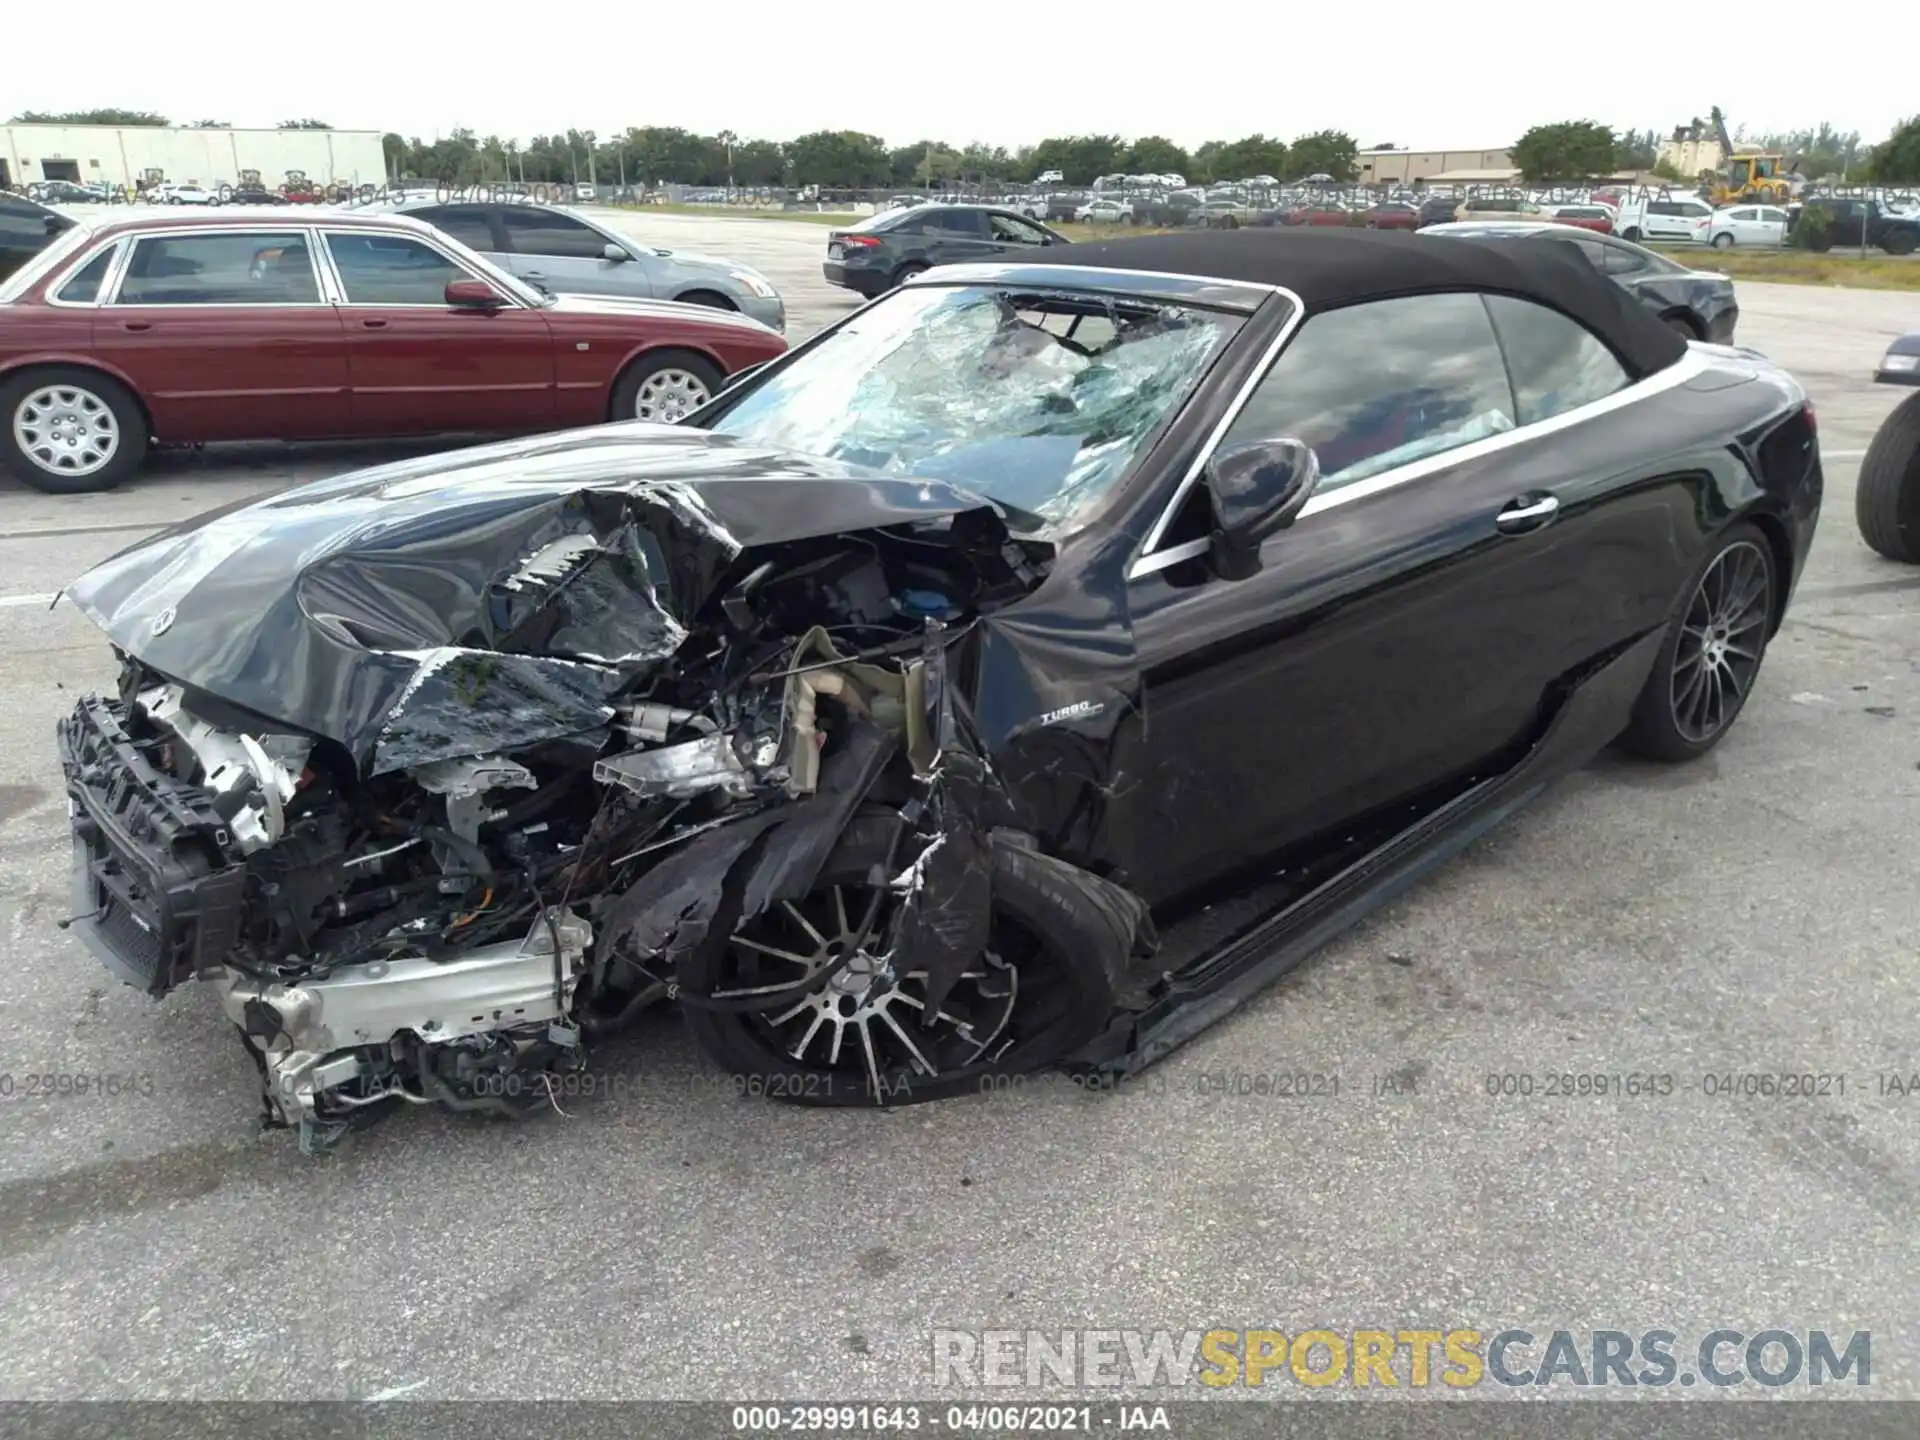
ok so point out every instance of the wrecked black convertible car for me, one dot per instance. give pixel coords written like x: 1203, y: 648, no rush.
x: 1023, y: 672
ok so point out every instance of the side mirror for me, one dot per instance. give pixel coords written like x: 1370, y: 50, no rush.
x: 615, y: 252
x: 1258, y: 491
x: 472, y: 295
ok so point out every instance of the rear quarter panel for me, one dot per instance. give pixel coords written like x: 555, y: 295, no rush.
x: 591, y: 351
x: 33, y: 334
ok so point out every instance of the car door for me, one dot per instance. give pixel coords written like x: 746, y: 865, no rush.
x: 951, y: 235
x: 1409, y: 625
x: 227, y: 335
x: 567, y: 256
x: 419, y: 366
x: 1770, y: 226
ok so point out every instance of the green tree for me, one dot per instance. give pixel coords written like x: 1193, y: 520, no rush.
x: 1665, y: 169
x: 984, y: 162
x: 304, y: 125
x: 841, y: 159
x: 1821, y: 151
x: 1326, y: 152
x: 1896, y: 160
x: 759, y: 162
x: 1155, y: 155
x: 145, y: 118
x: 1637, y: 150
x: 1254, y: 155
x: 904, y: 162
x: 1081, y: 159
x: 668, y: 155
x: 1566, y: 150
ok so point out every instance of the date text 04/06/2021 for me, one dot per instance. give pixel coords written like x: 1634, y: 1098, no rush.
x: 950, y: 1419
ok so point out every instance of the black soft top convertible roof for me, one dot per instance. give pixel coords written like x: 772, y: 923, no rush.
x: 1329, y: 268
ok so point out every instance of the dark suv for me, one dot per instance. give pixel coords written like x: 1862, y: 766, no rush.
x: 877, y: 254
x: 1853, y: 221
x: 25, y: 228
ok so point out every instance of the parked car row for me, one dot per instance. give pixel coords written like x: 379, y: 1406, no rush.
x: 251, y: 325
x: 891, y: 248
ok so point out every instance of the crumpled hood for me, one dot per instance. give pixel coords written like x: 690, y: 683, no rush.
x: 395, y: 610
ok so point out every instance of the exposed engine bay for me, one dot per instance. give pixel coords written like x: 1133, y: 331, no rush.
x: 758, y: 793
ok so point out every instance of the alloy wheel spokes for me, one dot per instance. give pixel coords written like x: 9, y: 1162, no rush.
x: 863, y: 1016
x: 669, y: 395
x: 66, y: 429
x: 1720, y: 643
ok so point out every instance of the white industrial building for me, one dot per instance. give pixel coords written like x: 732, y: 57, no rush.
x: 122, y: 155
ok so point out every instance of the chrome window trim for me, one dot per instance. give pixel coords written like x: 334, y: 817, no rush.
x: 431, y: 241
x: 118, y: 244
x: 1225, y: 423
x: 1695, y: 362
x: 110, y: 297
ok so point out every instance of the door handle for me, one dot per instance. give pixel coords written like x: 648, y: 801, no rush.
x: 532, y: 275
x: 136, y: 325
x: 374, y: 324
x: 1527, y: 512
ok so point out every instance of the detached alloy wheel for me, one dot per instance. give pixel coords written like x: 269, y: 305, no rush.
x: 70, y: 431
x: 1711, y: 658
x: 665, y: 387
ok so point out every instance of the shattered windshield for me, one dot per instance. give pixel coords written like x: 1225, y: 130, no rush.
x: 1040, y: 401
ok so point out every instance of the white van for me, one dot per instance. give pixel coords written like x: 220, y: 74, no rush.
x: 1686, y: 220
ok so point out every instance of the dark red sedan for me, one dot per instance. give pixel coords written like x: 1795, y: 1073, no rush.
x: 1393, y: 215
x: 1597, y: 218
x: 266, y: 326
x: 1325, y: 212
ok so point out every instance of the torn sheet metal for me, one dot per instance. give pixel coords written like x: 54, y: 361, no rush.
x: 454, y: 553
x: 946, y: 910
x: 680, y: 772
x: 668, y: 912
x: 460, y: 703
x: 797, y: 851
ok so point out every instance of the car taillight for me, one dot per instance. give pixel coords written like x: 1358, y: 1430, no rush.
x: 1813, y: 420
x: 858, y: 242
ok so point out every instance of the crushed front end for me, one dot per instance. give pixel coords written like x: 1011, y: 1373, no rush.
x: 516, y: 796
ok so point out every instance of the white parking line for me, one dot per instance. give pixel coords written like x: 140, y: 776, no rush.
x: 1843, y: 454
x: 13, y: 601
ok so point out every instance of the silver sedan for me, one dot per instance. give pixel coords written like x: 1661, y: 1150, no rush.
x: 560, y: 249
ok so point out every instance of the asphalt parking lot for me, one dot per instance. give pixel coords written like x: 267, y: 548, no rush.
x: 1755, y: 913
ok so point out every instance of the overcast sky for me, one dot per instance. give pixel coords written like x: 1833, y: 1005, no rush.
x: 1473, y: 75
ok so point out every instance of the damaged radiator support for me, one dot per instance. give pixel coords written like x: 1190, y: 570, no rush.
x: 329, y: 1042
